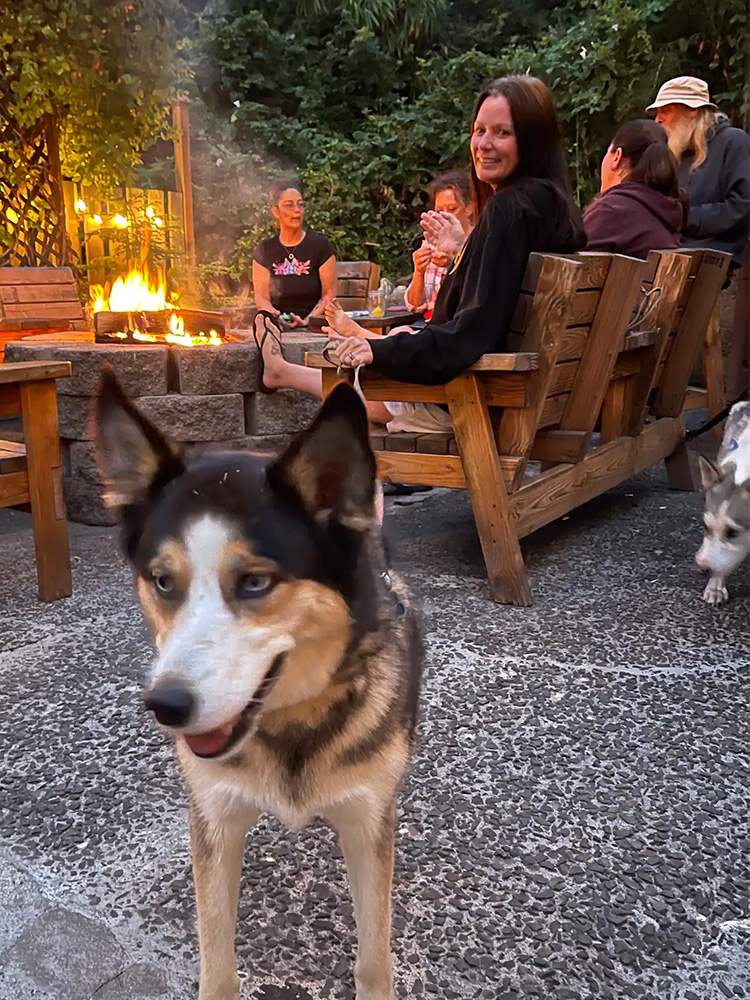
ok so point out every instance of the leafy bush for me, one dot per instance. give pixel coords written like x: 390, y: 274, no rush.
x: 368, y: 112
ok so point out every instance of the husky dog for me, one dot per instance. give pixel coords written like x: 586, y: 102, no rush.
x: 288, y: 660
x: 727, y: 512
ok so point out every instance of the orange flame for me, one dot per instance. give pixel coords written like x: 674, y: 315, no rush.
x: 136, y: 292
x: 177, y: 335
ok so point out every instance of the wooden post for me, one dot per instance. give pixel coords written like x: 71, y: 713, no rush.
x: 181, y: 121
x: 56, y: 185
x: 715, y: 372
x: 44, y: 466
x: 738, y: 355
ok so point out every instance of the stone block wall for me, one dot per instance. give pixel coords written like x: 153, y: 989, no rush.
x: 202, y: 397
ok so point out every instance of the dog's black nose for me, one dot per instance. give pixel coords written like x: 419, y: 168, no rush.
x: 171, y: 702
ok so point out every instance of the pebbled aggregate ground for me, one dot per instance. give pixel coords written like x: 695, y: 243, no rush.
x: 576, y: 825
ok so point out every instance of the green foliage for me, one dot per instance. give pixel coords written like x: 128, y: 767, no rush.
x: 103, y: 68
x: 364, y: 100
x: 147, y: 241
x: 369, y: 101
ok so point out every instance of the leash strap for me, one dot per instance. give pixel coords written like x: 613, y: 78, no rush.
x: 341, y: 371
x: 717, y: 419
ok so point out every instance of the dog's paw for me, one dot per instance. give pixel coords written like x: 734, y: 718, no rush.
x: 715, y: 593
x: 220, y: 991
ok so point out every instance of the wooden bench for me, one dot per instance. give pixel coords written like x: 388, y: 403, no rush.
x: 577, y: 365
x: 31, y: 473
x: 38, y: 300
x: 355, y: 279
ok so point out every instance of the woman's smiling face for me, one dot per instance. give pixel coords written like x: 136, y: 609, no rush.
x: 494, y: 148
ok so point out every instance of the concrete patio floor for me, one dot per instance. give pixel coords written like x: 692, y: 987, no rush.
x: 576, y: 825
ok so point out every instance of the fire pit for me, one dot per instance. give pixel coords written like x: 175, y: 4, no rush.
x: 137, y: 310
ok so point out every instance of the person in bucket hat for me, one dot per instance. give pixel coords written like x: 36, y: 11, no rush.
x: 714, y: 163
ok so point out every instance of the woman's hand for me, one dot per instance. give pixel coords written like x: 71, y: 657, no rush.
x: 422, y: 257
x: 352, y: 352
x: 443, y: 231
x: 295, y: 321
x: 440, y: 259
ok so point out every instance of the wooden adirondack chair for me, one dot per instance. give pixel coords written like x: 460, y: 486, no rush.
x: 31, y: 473
x: 575, y: 366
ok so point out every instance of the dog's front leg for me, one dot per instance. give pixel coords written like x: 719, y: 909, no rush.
x: 716, y: 592
x: 367, y: 833
x: 217, y: 865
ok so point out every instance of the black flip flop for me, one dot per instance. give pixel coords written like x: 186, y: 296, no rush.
x: 267, y: 330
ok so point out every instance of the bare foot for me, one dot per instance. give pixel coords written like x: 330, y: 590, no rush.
x: 341, y: 323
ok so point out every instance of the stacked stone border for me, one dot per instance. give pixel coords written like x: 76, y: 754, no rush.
x: 202, y: 397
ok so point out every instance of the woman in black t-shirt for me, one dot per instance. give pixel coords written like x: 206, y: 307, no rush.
x: 294, y: 273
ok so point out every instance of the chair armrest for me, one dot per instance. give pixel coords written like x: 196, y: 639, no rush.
x: 512, y: 362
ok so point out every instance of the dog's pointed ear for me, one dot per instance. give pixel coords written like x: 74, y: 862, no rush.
x: 710, y: 473
x: 132, y: 455
x: 331, y: 467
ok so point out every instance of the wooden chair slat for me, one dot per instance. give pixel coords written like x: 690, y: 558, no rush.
x: 352, y: 288
x: 41, y: 294
x: 547, y: 321
x: 435, y: 444
x: 36, y: 276
x: 712, y: 268
x: 354, y: 269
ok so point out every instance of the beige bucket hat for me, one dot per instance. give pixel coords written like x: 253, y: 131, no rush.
x: 688, y: 90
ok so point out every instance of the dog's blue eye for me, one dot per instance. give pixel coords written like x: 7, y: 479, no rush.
x: 164, y: 583
x: 255, y: 585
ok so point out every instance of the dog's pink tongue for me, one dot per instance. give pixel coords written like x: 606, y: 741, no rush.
x: 211, y: 742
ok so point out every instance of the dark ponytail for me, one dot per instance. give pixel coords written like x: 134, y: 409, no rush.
x: 646, y: 151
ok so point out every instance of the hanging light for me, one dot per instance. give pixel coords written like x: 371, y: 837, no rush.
x: 80, y: 205
x: 149, y: 212
x: 120, y: 220
x: 96, y: 219
x: 158, y: 222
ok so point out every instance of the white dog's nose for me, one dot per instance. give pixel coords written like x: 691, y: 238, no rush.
x: 701, y: 565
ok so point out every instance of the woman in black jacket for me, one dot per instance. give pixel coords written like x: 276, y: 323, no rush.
x: 523, y: 205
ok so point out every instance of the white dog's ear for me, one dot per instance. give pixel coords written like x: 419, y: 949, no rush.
x: 710, y: 474
x: 131, y: 453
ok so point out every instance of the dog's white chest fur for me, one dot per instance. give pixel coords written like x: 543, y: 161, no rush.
x: 257, y: 786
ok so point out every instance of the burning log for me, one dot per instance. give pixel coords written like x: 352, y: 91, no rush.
x: 137, y: 310
x: 175, y: 326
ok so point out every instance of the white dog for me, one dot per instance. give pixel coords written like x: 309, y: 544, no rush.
x: 727, y: 510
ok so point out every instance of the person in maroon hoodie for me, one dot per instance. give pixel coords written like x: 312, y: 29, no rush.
x: 640, y: 207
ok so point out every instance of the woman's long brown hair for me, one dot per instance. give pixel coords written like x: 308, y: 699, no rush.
x: 538, y: 134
